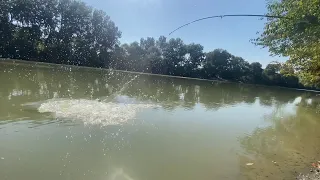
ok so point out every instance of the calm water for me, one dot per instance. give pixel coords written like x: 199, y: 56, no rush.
x: 65, y: 123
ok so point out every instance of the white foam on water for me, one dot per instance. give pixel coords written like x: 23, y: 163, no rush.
x: 92, y: 112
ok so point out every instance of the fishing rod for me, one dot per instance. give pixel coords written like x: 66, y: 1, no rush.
x: 229, y: 15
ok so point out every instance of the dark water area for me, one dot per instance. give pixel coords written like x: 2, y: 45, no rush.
x: 62, y: 122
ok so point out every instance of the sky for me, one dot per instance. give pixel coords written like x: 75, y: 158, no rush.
x: 152, y: 18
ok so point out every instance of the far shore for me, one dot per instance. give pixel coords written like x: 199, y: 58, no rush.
x: 49, y: 65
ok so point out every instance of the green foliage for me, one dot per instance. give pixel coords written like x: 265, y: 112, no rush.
x: 296, y: 36
x: 56, y: 31
x: 70, y: 32
x: 176, y: 58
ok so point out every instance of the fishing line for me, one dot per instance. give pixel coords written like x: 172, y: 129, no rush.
x: 228, y: 15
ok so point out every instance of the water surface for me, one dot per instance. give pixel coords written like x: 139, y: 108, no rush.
x: 62, y: 122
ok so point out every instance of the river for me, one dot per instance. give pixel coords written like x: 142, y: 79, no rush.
x: 63, y: 122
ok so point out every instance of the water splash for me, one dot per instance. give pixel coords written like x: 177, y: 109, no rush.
x: 92, y: 112
x: 117, y: 93
x: 103, y: 111
x: 120, y: 174
x: 126, y: 85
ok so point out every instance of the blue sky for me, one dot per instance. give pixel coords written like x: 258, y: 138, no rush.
x: 153, y: 18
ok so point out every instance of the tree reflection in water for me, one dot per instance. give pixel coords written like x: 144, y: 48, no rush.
x: 24, y: 84
x: 290, y: 140
x: 287, y: 147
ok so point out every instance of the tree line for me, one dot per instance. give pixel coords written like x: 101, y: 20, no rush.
x: 174, y: 57
x: 71, y: 32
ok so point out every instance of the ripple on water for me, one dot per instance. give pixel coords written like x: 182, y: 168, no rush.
x: 92, y: 112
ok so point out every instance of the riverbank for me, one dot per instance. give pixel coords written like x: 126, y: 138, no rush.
x: 44, y: 64
x: 313, y: 175
x: 50, y: 65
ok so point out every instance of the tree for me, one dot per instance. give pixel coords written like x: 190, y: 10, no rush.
x: 272, y: 68
x: 6, y: 28
x: 25, y: 42
x: 239, y: 69
x: 151, y: 54
x: 256, y: 72
x: 296, y: 36
x: 56, y: 31
x: 271, y: 74
x: 174, y: 56
x: 119, y: 58
x: 217, y: 63
x: 136, y: 60
x: 156, y: 62
x: 193, y: 59
x: 105, y: 36
x: 145, y: 44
